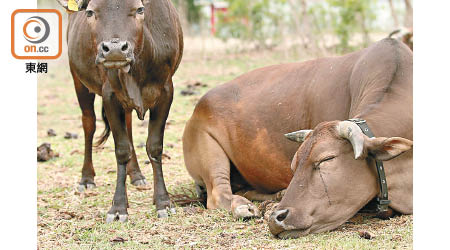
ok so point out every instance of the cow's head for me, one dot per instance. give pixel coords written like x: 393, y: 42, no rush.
x: 116, y: 27
x: 334, y: 177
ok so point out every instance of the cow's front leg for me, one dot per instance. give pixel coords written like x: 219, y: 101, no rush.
x: 86, y: 101
x: 254, y: 195
x: 158, y: 117
x: 133, y: 170
x: 116, y: 117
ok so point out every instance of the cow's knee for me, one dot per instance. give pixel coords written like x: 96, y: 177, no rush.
x: 123, y: 153
x: 154, y: 150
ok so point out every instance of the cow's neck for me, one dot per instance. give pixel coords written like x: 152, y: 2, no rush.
x: 127, y: 91
x: 388, y: 119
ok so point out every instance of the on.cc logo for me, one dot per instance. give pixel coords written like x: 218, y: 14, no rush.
x: 40, y: 29
x: 36, y: 34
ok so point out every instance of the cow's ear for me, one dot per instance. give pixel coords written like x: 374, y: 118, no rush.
x: 387, y: 148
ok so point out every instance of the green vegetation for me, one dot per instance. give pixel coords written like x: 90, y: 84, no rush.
x: 258, y: 20
x: 350, y: 16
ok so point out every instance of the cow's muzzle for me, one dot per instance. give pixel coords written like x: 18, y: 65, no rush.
x: 281, y: 229
x: 115, y: 54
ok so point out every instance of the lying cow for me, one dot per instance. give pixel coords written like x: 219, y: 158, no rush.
x: 127, y: 52
x: 235, y: 138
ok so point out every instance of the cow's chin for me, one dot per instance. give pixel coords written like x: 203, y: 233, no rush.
x: 123, y: 66
x: 293, y: 234
x: 297, y: 233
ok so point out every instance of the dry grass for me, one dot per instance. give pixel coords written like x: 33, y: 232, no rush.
x: 70, y: 220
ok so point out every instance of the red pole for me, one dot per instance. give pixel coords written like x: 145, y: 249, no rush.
x: 213, y: 20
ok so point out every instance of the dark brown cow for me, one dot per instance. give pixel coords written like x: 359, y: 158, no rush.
x: 127, y: 52
x: 235, y: 137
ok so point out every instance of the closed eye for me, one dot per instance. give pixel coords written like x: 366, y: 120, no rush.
x: 328, y: 158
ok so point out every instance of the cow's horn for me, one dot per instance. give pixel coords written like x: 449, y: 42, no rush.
x: 353, y: 133
x: 298, y: 136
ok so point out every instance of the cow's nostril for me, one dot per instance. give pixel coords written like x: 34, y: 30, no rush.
x: 282, y: 215
x: 125, y: 47
x: 105, y: 48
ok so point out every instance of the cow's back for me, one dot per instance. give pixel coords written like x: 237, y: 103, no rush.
x: 381, y: 89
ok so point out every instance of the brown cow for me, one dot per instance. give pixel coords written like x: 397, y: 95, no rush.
x: 335, y: 174
x: 127, y: 52
x: 235, y: 137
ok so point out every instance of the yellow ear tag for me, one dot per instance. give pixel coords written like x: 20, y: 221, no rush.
x: 72, y: 5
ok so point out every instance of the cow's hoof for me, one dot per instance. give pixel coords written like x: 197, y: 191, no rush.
x: 119, y: 217
x: 246, y: 211
x: 82, y: 187
x: 165, y: 213
x: 141, y: 182
x: 162, y: 213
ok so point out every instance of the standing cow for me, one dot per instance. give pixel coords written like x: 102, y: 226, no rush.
x: 235, y: 138
x: 127, y: 52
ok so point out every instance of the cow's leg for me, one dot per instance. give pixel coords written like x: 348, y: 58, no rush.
x: 254, y: 195
x: 219, y: 192
x: 133, y: 169
x: 86, y: 102
x: 156, y: 125
x: 208, y: 164
x: 123, y: 150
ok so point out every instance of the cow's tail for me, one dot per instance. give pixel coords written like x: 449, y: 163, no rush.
x: 104, y: 137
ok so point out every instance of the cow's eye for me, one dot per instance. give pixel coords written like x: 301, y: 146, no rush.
x: 140, y: 11
x: 328, y: 158
x: 89, y: 13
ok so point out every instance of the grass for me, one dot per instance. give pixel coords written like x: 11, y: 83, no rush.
x: 69, y: 220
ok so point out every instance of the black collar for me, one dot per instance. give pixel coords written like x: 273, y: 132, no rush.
x: 382, y: 199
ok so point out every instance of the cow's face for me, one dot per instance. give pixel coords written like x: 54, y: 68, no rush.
x: 116, y: 28
x: 333, y: 178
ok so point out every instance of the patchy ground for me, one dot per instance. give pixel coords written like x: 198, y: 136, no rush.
x: 67, y: 219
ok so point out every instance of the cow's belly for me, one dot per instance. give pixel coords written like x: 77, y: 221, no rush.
x: 265, y: 181
x: 266, y: 167
x: 267, y: 176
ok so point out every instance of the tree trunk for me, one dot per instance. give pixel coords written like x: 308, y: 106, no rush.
x: 394, y: 14
x: 296, y: 19
x: 366, y: 37
x: 409, y: 14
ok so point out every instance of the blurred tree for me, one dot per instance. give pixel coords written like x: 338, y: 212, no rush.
x: 256, y: 20
x: 350, y: 15
x: 409, y: 14
x: 189, y: 12
x: 393, y: 13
